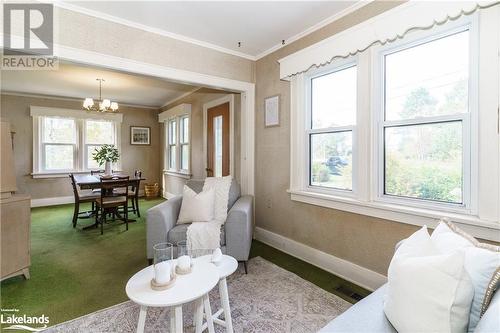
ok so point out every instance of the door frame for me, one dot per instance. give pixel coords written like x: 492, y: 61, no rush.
x: 247, y: 90
x: 221, y: 100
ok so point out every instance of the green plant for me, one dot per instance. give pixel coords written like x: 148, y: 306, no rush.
x: 105, y: 153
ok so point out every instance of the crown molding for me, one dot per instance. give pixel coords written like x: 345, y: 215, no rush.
x: 315, y: 27
x: 72, y: 99
x: 178, y: 98
x: 111, y: 18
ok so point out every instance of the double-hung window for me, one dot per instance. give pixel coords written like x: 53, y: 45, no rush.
x: 64, y: 139
x: 178, y: 146
x: 425, y: 128
x: 330, y: 128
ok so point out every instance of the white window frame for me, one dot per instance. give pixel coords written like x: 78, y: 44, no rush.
x: 80, y: 159
x: 309, y: 131
x: 41, y: 145
x: 85, y: 145
x: 181, y: 119
x: 480, y: 215
x: 176, y: 114
x: 468, y: 120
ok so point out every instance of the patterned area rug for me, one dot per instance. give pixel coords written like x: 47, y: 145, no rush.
x: 268, y: 299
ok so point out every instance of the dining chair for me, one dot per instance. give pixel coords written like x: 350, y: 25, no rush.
x: 134, y: 194
x: 96, y: 172
x: 114, y: 195
x: 81, y: 197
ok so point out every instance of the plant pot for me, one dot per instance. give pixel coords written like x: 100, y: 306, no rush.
x: 107, y: 168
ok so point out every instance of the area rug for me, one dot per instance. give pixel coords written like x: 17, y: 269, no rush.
x: 268, y: 299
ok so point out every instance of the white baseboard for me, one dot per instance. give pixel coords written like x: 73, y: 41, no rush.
x: 52, y: 201
x: 347, y: 270
x: 60, y: 200
x: 168, y: 195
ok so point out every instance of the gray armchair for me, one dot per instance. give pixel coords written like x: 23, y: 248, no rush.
x: 236, y: 234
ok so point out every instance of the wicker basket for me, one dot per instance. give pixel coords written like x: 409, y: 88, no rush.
x: 151, y: 190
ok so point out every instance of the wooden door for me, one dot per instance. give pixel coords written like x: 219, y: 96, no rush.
x: 218, y: 141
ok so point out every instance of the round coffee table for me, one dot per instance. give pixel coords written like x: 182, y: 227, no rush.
x: 226, y: 267
x: 190, y: 287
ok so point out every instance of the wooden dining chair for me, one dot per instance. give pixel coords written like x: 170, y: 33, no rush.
x: 114, y: 195
x: 96, y: 172
x: 134, y: 192
x: 81, y: 197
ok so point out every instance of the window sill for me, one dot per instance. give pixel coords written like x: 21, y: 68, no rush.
x: 398, y: 213
x: 58, y: 174
x: 179, y: 174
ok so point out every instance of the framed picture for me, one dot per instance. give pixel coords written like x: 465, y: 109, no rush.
x: 272, y: 111
x: 140, y: 135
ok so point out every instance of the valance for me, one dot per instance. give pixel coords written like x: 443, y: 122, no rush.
x: 381, y: 29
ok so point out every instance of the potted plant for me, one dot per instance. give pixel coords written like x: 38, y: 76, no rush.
x: 106, y: 154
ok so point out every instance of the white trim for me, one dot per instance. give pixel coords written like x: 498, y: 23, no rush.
x: 43, y: 111
x: 347, y: 270
x: 76, y: 99
x: 52, y: 201
x: 177, y: 174
x: 168, y: 195
x: 484, y: 229
x: 161, y: 32
x: 229, y: 98
x: 344, y: 12
x: 179, y: 110
x: 180, y: 97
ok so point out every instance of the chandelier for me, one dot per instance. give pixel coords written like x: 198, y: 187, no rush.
x: 101, y: 105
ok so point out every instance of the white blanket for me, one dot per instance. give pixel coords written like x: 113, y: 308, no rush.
x: 206, y: 235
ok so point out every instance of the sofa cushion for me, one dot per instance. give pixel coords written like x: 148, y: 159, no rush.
x: 178, y: 234
x: 365, y: 316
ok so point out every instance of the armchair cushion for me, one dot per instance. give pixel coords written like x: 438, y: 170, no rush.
x: 178, y: 234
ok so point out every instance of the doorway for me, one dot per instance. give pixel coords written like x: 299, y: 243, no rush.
x: 218, y: 116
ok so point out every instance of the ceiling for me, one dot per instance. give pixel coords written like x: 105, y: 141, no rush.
x: 78, y: 81
x: 260, y: 26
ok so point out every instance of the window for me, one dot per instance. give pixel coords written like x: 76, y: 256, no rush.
x: 58, y: 146
x: 332, y: 122
x: 64, y: 140
x: 426, y: 120
x: 178, y: 149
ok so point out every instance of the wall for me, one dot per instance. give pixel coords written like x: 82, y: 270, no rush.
x: 16, y: 109
x: 363, y: 240
x: 173, y: 184
x: 94, y: 34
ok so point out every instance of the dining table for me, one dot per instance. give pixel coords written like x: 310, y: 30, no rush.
x: 90, y: 182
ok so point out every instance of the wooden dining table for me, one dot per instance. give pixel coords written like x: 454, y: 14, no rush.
x: 90, y: 182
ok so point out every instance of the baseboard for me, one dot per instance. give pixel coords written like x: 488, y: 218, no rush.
x: 52, y: 201
x: 168, y: 195
x: 361, y: 276
x: 60, y: 200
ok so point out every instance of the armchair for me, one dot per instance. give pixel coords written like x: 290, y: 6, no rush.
x: 236, y: 233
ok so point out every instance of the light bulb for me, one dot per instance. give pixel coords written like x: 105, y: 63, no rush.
x: 106, y: 103
x: 114, y: 106
x: 88, y: 102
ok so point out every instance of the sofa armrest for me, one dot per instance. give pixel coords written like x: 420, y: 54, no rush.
x: 159, y: 220
x: 239, y: 228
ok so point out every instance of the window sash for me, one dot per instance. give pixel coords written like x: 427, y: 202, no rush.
x: 175, y: 142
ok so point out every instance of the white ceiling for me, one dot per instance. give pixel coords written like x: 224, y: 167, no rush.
x: 260, y: 26
x: 77, y: 81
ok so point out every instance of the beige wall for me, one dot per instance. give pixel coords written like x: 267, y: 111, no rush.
x: 16, y: 110
x: 93, y: 34
x: 173, y: 184
x: 366, y: 241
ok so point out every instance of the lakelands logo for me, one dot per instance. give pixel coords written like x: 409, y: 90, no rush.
x: 16, y: 321
x: 28, y: 36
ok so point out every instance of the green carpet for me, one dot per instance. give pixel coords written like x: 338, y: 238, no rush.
x: 75, y: 272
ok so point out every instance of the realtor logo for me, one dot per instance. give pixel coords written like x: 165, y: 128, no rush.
x: 28, y: 36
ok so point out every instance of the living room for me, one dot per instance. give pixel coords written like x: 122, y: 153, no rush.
x: 322, y: 139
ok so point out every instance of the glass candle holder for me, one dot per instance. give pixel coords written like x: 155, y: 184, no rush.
x: 184, y: 259
x: 163, y: 263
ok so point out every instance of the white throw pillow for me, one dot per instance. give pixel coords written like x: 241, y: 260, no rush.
x: 196, y: 207
x: 427, y: 291
x: 480, y: 263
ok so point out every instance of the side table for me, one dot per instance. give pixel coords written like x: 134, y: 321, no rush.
x: 226, y: 267
x: 191, y: 287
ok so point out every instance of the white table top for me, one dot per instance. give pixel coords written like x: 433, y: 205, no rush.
x: 187, y: 288
x: 226, y: 267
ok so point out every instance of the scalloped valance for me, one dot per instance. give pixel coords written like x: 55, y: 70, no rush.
x: 381, y: 29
